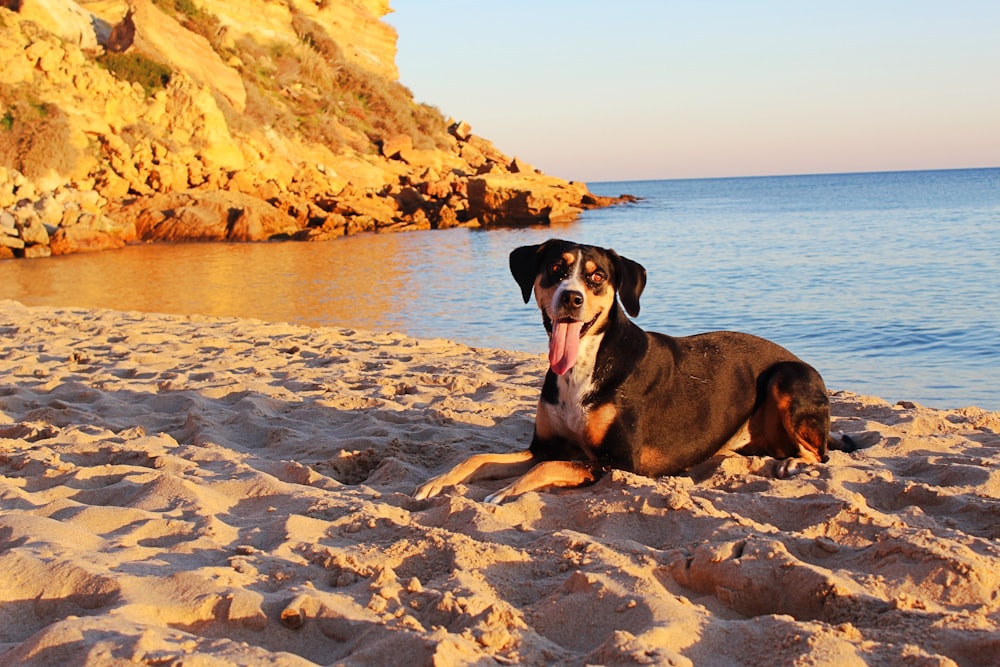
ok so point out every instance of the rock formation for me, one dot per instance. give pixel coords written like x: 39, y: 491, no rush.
x: 192, y: 120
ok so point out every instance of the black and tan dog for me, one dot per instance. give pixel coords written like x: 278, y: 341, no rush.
x: 616, y: 396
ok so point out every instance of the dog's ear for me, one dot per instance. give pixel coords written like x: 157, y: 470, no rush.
x: 631, y: 282
x: 524, y: 263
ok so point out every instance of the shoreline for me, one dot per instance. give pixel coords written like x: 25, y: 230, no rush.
x: 185, y: 486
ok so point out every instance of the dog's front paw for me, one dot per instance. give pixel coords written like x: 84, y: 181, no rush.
x: 500, y: 496
x: 431, y: 488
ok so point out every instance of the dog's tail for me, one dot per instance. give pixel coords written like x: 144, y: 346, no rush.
x: 842, y: 442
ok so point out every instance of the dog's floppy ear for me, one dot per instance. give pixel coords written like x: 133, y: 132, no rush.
x: 631, y: 282
x: 524, y: 266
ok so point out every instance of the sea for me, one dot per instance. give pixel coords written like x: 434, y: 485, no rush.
x: 888, y: 283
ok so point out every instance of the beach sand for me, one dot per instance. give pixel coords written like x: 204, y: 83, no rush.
x: 205, y: 491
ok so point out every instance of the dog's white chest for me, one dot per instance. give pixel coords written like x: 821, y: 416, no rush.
x: 568, y: 417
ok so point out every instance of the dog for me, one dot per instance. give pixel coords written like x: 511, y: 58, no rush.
x: 618, y: 397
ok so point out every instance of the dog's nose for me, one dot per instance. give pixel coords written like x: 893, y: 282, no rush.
x: 571, y: 299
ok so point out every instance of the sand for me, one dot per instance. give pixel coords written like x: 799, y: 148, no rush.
x: 205, y: 491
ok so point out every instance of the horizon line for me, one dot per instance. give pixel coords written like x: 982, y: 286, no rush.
x: 790, y: 175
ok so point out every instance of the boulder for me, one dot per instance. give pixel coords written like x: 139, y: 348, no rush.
x: 12, y: 242
x: 110, y: 185
x: 461, y: 130
x: 445, y: 218
x: 519, y: 166
x: 48, y: 210
x: 359, y: 224
x: 37, y: 251
x: 33, y: 232
x: 437, y: 188
x: 196, y: 215
x: 350, y: 202
x: 160, y: 36
x: 507, y: 199
x: 488, y: 150
x: 8, y: 223
x: 63, y: 18
x: 410, y: 200
x: 472, y: 155
x: 91, y: 233
x: 399, y: 147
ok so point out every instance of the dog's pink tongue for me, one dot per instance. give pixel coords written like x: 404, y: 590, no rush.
x: 563, y: 346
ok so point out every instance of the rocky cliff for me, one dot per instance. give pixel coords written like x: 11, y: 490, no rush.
x: 233, y: 120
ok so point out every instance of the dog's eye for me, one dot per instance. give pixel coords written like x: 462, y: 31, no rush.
x: 597, y: 278
x: 557, y: 269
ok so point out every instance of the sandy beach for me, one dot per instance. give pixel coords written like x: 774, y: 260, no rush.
x: 205, y: 491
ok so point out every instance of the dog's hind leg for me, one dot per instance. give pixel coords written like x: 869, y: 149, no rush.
x: 792, y: 419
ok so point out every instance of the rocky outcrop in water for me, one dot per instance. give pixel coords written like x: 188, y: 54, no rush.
x: 170, y: 120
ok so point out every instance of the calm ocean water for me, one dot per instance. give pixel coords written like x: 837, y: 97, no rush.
x: 888, y: 283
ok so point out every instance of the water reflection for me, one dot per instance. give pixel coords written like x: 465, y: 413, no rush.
x: 382, y: 282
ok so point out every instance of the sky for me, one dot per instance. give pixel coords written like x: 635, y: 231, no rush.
x: 653, y: 89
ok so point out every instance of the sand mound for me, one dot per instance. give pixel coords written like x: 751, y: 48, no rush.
x: 222, y: 491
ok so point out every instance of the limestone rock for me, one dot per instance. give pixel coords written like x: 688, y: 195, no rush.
x: 8, y: 223
x: 364, y: 38
x: 163, y: 38
x: 461, y: 130
x: 34, y: 232
x: 37, y: 251
x: 91, y: 233
x: 194, y: 119
x: 13, y: 242
x: 410, y: 200
x: 399, y: 146
x: 63, y: 18
x: 511, y: 199
x: 369, y: 205
x: 488, y: 150
x: 519, y: 166
x: 446, y: 218
x: 206, y: 216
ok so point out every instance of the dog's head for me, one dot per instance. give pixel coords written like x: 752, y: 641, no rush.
x: 575, y: 287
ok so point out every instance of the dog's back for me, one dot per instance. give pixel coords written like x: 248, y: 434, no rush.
x: 696, y: 395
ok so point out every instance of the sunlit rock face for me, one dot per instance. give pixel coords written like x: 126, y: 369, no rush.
x: 111, y: 108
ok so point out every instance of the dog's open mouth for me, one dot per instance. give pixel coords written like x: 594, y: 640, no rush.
x: 564, y: 343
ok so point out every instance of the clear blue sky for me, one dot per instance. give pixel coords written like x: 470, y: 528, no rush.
x: 644, y: 89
